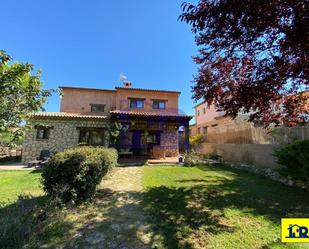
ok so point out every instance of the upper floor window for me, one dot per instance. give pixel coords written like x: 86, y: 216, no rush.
x: 204, y: 110
x: 198, y: 113
x: 159, y: 104
x: 136, y: 103
x: 97, y: 107
x: 42, y: 133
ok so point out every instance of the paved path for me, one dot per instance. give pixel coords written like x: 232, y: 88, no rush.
x: 15, y: 167
x: 123, y: 224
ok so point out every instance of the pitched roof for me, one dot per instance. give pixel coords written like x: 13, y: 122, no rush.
x: 86, y: 88
x: 150, y: 114
x: 121, y: 88
x: 65, y: 115
x: 146, y: 90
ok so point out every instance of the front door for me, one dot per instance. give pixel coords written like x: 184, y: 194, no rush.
x: 136, y: 142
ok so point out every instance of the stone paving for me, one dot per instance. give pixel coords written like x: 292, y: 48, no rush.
x: 16, y: 166
x: 119, y: 221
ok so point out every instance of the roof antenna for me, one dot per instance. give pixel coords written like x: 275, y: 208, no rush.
x: 124, y: 80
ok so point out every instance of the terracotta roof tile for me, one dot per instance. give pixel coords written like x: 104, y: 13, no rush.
x: 66, y: 115
x: 147, y: 90
x: 150, y: 114
x: 119, y: 87
x: 86, y: 88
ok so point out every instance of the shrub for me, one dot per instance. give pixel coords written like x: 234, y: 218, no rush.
x: 196, y: 139
x: 192, y: 159
x: 214, y: 156
x: 72, y: 175
x: 294, y: 160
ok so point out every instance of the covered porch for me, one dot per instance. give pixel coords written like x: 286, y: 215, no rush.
x: 150, y: 135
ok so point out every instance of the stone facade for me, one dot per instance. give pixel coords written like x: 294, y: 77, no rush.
x: 169, y: 142
x: 63, y: 134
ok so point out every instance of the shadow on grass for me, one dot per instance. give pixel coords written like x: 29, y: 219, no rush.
x: 18, y: 219
x: 182, y: 216
x: 36, y: 171
x: 114, y: 220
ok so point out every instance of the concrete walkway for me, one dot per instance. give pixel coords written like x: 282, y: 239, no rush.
x: 16, y: 166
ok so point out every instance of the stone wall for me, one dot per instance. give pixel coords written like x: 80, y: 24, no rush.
x: 169, y: 141
x: 64, y: 134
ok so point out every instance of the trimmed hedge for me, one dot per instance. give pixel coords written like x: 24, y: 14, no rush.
x: 71, y: 176
x: 294, y: 159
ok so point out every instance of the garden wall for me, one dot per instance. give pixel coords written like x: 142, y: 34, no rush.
x: 250, y: 145
x: 257, y: 154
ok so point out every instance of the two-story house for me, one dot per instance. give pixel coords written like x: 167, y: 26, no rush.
x: 150, y: 122
x: 206, y: 117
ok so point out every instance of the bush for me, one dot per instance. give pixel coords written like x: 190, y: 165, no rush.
x: 294, y: 159
x: 196, y: 139
x: 192, y: 159
x: 72, y: 175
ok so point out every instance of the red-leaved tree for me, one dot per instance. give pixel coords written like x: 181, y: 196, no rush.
x: 253, y: 57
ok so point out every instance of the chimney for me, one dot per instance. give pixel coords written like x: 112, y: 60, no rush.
x: 127, y: 84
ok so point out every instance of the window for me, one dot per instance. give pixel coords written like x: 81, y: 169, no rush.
x: 136, y: 103
x: 42, y: 133
x: 151, y: 138
x: 159, y: 104
x: 97, y: 107
x: 198, y: 113
x: 198, y: 130
x: 204, y: 110
x: 205, y: 130
x: 91, y: 136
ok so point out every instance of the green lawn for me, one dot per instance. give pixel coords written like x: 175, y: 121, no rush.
x: 208, y: 207
x: 14, y: 183
x: 196, y: 207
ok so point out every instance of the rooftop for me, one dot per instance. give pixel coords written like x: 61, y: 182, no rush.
x: 150, y: 114
x: 121, y: 88
x: 146, y: 90
x: 66, y: 115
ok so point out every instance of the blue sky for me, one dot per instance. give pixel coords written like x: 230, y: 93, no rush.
x: 89, y: 43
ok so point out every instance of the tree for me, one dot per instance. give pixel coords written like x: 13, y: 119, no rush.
x: 20, y: 94
x: 253, y: 57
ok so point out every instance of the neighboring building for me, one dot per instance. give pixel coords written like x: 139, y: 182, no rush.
x: 218, y: 128
x: 149, y: 119
x: 207, y: 117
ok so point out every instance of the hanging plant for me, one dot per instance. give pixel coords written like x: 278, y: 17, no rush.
x: 114, y: 132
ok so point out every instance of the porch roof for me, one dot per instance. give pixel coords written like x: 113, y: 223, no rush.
x: 66, y: 115
x: 149, y: 114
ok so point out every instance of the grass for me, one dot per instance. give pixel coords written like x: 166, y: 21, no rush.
x: 11, y: 162
x: 208, y: 207
x: 20, y: 196
x: 13, y: 183
x: 197, y: 207
x: 111, y: 221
